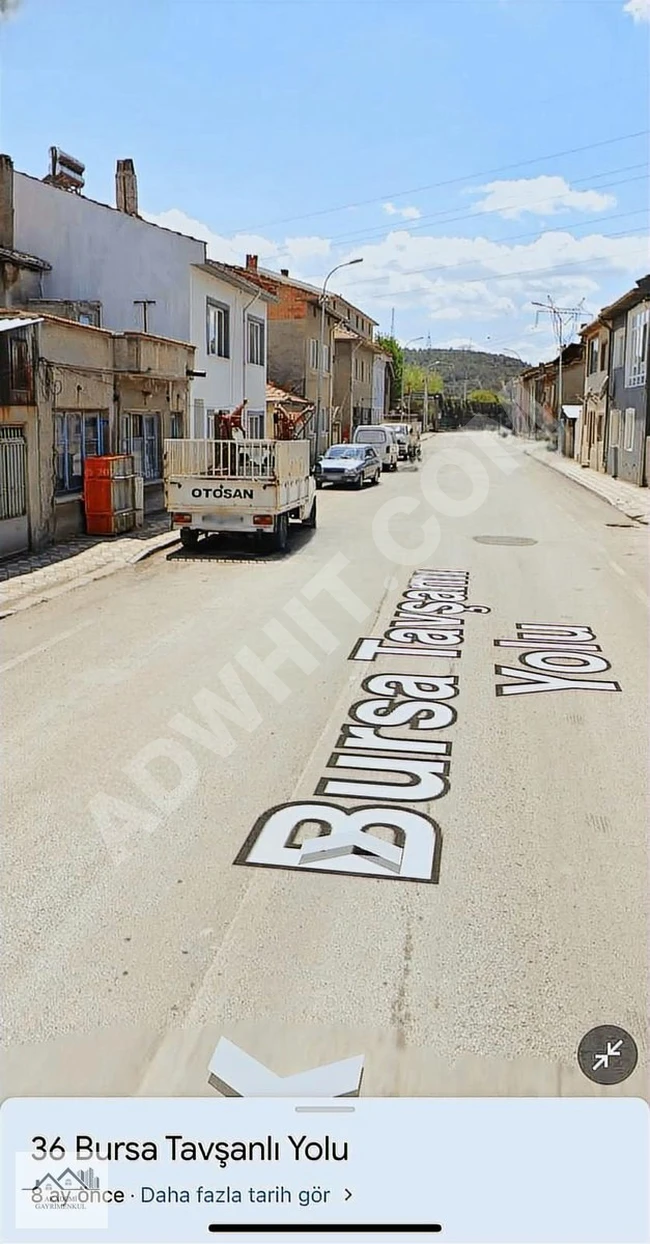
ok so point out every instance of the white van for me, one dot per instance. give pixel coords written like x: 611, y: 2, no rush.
x: 382, y: 439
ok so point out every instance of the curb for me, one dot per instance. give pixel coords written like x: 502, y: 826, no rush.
x: 642, y: 519
x: 41, y: 597
x: 171, y: 537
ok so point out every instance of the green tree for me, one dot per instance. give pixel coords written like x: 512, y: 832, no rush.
x: 415, y: 378
x: 483, y: 395
x: 392, y: 347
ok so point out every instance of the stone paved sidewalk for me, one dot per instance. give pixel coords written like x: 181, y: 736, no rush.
x: 35, y: 577
x: 631, y: 500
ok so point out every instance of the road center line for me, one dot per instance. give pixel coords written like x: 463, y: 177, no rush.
x: 34, y: 652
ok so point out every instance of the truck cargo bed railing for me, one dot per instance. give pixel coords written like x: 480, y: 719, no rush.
x: 243, y: 459
x: 253, y: 460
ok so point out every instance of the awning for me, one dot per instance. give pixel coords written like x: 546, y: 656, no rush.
x: 572, y: 412
x: 23, y: 322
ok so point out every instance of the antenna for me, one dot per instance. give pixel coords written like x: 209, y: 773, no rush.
x: 392, y: 323
x: 562, y: 318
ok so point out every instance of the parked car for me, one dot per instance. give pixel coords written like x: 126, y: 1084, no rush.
x: 401, y: 431
x: 383, y: 441
x: 348, y: 464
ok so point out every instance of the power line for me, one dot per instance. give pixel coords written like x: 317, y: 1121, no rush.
x: 447, y: 215
x: 452, y: 181
x: 466, y: 263
x: 532, y: 233
x: 505, y: 276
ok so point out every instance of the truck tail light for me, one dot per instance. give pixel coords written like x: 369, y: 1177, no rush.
x: 183, y: 520
x: 263, y: 520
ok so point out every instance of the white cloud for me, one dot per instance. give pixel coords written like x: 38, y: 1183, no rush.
x: 539, y: 196
x: 407, y: 213
x: 234, y: 249
x: 472, y: 285
x: 639, y: 10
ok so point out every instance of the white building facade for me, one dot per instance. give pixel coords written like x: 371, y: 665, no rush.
x: 150, y: 278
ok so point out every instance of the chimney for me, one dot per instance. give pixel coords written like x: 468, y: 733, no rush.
x: 126, y: 188
x: 284, y: 271
x: 251, y: 263
x: 7, y: 202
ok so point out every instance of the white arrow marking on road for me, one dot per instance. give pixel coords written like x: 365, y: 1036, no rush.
x: 236, y: 1074
x: 349, y: 841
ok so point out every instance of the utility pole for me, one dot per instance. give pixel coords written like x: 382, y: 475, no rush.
x: 321, y: 350
x: 392, y: 324
x: 145, y: 303
x: 466, y: 381
x: 561, y: 319
x: 404, y: 349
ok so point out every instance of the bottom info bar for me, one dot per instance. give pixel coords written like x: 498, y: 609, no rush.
x: 184, y: 1170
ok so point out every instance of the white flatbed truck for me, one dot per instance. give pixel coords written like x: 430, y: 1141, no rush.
x: 239, y: 487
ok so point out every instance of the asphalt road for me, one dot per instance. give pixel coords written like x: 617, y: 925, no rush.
x: 133, y: 941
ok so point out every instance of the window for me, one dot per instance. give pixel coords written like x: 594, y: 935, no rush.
x: 628, y: 443
x: 592, y: 358
x: 326, y: 358
x: 77, y: 437
x: 313, y: 354
x: 255, y: 425
x: 637, y: 347
x: 618, y: 353
x: 176, y: 428
x: 256, y: 342
x: 218, y: 329
x: 20, y: 365
x: 141, y: 437
x: 614, y: 428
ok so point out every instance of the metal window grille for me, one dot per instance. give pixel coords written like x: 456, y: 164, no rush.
x: 13, y: 472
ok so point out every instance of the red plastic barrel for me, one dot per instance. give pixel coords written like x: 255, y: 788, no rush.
x: 109, y: 494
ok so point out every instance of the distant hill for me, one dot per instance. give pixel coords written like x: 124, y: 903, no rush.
x: 474, y: 368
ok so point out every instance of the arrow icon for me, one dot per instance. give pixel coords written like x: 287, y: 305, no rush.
x: 348, y: 1194
x: 236, y: 1074
x: 613, y: 1051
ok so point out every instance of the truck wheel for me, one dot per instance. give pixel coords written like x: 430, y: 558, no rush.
x: 310, y: 520
x: 279, y: 538
x: 189, y: 538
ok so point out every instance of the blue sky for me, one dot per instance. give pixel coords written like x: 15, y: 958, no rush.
x: 250, y: 120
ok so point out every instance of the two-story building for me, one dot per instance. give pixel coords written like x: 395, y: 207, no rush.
x: 132, y: 275
x: 628, y: 424
x: 295, y: 363
x: 361, y: 388
x: 69, y: 392
x: 351, y: 388
x: 593, y: 422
